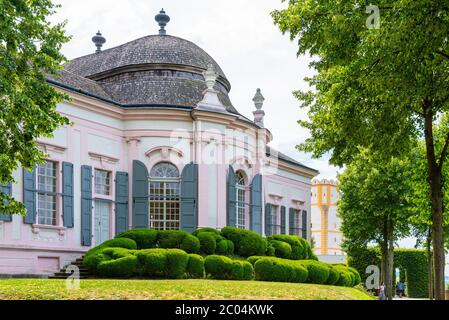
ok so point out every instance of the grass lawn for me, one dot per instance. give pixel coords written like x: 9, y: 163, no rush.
x: 22, y: 289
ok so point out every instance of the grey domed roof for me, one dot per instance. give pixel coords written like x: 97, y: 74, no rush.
x: 153, y: 70
x: 153, y: 49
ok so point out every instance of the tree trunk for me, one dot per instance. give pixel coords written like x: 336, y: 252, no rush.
x: 384, y: 258
x: 390, y: 261
x: 429, y: 263
x: 435, y: 183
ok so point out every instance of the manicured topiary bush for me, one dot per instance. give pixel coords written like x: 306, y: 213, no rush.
x: 248, y: 270
x: 177, y: 261
x: 280, y: 270
x: 318, y: 271
x: 246, y: 243
x: 357, y: 278
x: 282, y: 249
x: 225, y: 248
x: 94, y: 256
x: 195, y: 267
x: 218, y: 267
x: 208, y: 243
x: 346, y: 277
x: 152, y: 262
x: 334, y: 276
x: 144, y: 238
x: 171, y: 239
x: 168, y: 263
x: 254, y: 259
x: 298, y: 251
x: 224, y: 268
x: 190, y: 244
x: 119, y: 268
x: 198, y: 231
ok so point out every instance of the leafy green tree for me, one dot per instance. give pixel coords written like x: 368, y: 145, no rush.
x: 29, y: 50
x: 374, y: 206
x: 378, y: 85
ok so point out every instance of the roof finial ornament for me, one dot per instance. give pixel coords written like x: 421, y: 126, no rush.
x: 162, y: 19
x: 99, y: 41
x: 259, y: 114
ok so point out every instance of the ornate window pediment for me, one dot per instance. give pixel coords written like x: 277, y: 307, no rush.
x: 165, y: 153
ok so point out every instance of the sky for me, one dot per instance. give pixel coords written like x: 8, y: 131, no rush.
x: 239, y: 35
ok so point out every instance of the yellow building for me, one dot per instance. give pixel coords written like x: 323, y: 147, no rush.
x: 326, y: 234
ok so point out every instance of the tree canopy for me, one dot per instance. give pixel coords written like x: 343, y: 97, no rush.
x: 29, y: 50
x: 378, y: 86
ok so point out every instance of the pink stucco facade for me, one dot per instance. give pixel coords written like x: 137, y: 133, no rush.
x: 107, y: 138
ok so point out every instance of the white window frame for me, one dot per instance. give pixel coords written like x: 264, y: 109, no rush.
x: 48, y: 194
x: 102, y: 188
x: 163, y: 202
x: 275, y: 219
x: 240, y: 189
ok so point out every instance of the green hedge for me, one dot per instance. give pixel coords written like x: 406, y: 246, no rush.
x: 195, y: 267
x: 190, y: 244
x: 171, y: 239
x: 225, y: 248
x: 94, y: 256
x: 318, y: 271
x: 280, y: 270
x: 412, y: 262
x: 281, y: 249
x: 144, y: 238
x: 208, y: 242
x: 334, y: 276
x: 120, y: 268
x: 246, y: 243
x: 224, y: 268
x: 152, y: 262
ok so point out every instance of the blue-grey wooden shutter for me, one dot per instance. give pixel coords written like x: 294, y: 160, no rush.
x: 121, y: 202
x: 283, y: 219
x: 232, y: 198
x: 67, y: 195
x: 86, y: 206
x: 268, y: 219
x: 140, y: 195
x: 29, y: 196
x: 304, y: 224
x: 256, y: 204
x: 291, y: 222
x: 189, y: 198
x: 6, y: 189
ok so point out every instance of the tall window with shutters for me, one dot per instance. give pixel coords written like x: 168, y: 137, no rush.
x: 164, y: 197
x: 47, y: 193
x: 296, y: 224
x: 275, y: 220
x: 240, y: 196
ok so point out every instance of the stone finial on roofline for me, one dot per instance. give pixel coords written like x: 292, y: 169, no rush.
x: 162, y: 19
x: 99, y: 41
x: 259, y: 114
x: 210, y: 101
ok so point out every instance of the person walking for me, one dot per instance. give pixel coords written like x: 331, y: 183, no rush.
x: 401, y: 289
x: 382, y: 292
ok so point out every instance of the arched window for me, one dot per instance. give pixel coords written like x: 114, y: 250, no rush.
x: 164, y: 197
x: 241, y: 201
